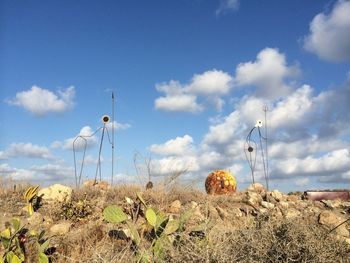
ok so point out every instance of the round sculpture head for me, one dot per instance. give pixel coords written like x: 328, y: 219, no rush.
x: 220, y: 182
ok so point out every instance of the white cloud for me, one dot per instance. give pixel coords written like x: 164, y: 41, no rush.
x: 333, y: 162
x: 227, y: 6
x: 329, y: 36
x: 267, y: 73
x: 176, y: 99
x: 39, y: 173
x: 174, y: 164
x: 89, y: 139
x: 27, y: 150
x: 213, y: 82
x: 41, y: 101
x: 178, y: 146
x: 307, y: 131
x: 210, y: 85
x: 178, y: 103
x: 118, y: 126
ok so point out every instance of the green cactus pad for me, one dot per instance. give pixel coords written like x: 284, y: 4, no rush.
x: 114, y: 214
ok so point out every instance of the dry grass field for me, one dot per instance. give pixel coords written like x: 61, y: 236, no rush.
x: 212, y: 229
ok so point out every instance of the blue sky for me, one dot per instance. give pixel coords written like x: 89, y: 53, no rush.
x: 190, y: 79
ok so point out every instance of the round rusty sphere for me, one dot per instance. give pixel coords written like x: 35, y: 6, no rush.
x: 220, y: 182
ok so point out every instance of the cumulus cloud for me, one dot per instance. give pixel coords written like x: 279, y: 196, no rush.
x: 89, y: 139
x: 214, y: 82
x: 329, y: 36
x: 176, y: 99
x: 268, y: 74
x: 227, y: 6
x: 307, y: 130
x: 38, y: 173
x: 118, y: 126
x: 210, y: 86
x: 41, y: 101
x: 178, y: 146
x: 333, y: 162
x: 28, y: 150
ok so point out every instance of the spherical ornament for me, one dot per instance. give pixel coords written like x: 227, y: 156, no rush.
x: 220, y: 182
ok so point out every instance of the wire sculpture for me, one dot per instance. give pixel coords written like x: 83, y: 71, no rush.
x: 251, y: 148
x: 105, y: 120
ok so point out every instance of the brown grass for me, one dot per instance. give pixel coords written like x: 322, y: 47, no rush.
x: 258, y: 238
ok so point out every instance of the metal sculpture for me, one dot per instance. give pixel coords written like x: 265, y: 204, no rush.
x: 105, y: 120
x: 251, y: 148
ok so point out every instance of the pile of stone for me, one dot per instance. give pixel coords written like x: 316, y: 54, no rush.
x: 243, y: 207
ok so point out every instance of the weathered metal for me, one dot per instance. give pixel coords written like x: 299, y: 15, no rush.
x: 318, y: 195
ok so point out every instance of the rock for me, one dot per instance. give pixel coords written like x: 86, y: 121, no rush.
x: 193, y: 204
x: 267, y: 205
x: 332, y: 220
x: 102, y: 185
x: 277, y: 195
x: 213, y: 213
x: 263, y: 210
x: 256, y: 187
x: 175, y: 207
x: 61, y: 228
x: 236, y: 212
x: 291, y: 213
x: 293, y: 198
x: 253, y: 199
x: 222, y: 213
x: 332, y: 203
x: 284, y: 205
x: 56, y: 192
x: 302, y: 204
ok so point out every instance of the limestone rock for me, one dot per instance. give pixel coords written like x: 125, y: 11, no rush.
x: 61, y: 228
x: 194, y: 204
x: 277, y: 195
x: 291, y: 213
x: 56, y: 192
x: 253, y: 198
x: 267, y: 205
x: 332, y: 220
x: 175, y: 207
x: 222, y: 213
x: 284, y: 205
x: 332, y: 203
x: 293, y: 198
x: 101, y: 185
x: 256, y: 187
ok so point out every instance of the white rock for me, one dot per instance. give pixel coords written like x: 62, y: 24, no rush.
x: 61, y: 228
x: 277, y: 195
x: 267, y: 205
x: 291, y: 213
x: 256, y: 187
x: 175, y: 207
x: 56, y: 192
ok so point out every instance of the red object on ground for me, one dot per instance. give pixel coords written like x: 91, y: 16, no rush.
x: 318, y: 195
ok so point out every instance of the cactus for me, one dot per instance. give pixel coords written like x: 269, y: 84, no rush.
x: 29, y: 195
x: 159, y: 226
x: 114, y: 214
x: 13, y: 238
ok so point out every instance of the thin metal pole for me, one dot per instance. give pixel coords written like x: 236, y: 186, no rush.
x: 266, y: 146
x: 112, y: 137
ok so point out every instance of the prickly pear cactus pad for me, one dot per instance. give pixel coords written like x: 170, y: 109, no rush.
x: 220, y: 182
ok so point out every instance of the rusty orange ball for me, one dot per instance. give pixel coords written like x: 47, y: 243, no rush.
x: 220, y: 182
